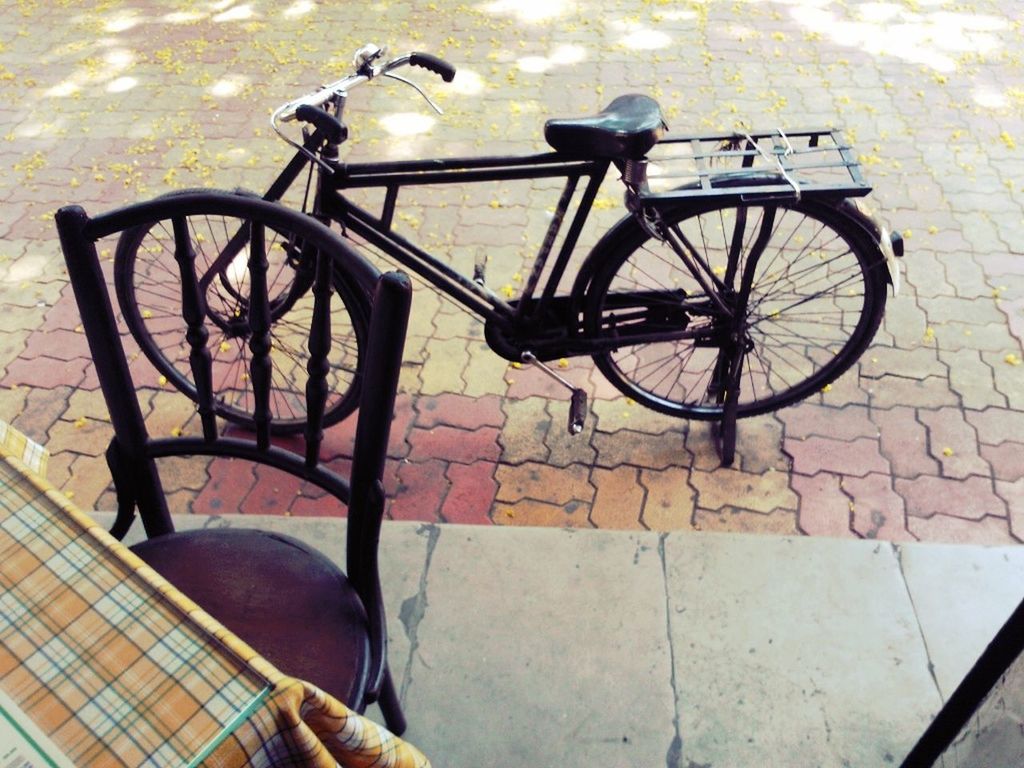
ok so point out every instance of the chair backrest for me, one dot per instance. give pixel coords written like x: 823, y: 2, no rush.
x: 133, y: 450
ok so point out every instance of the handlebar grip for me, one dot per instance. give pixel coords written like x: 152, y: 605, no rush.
x: 333, y: 130
x: 433, y: 63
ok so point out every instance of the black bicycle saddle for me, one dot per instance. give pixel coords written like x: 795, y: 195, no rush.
x: 624, y: 130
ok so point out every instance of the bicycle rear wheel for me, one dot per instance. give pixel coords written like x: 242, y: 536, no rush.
x: 817, y: 290
x: 144, y: 268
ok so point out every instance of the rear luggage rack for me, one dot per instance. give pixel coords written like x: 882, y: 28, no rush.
x: 753, y: 167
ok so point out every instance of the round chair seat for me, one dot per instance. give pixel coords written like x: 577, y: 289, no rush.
x: 285, y: 599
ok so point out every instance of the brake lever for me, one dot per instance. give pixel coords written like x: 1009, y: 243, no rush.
x: 417, y: 89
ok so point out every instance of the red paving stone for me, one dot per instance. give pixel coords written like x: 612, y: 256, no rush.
x: 921, y: 440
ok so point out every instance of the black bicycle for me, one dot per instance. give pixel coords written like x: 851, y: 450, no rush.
x: 749, y: 284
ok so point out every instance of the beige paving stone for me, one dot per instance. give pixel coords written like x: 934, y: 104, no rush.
x: 731, y: 487
x: 671, y: 500
x: 89, y: 478
x: 485, y: 372
x: 640, y: 449
x: 1009, y: 376
x: 972, y: 379
x: 891, y: 391
x: 953, y: 442
x: 526, y: 426
x: 618, y: 500
x: 622, y: 413
x: 533, y: 513
x: 944, y: 529
x: 442, y: 370
x: 731, y: 520
x: 1013, y: 494
x: 541, y: 482
x: 12, y: 402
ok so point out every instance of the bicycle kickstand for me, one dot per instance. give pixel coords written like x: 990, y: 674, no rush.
x: 578, y: 401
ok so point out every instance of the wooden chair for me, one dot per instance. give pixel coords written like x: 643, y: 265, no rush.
x: 287, y: 600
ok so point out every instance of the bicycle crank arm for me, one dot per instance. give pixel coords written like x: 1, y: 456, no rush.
x: 578, y: 401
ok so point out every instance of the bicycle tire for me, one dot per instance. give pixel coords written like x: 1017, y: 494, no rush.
x: 144, y: 255
x: 821, y: 332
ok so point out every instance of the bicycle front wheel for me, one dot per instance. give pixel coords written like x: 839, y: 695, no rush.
x: 817, y: 290
x: 145, y: 272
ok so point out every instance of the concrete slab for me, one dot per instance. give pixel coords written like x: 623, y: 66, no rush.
x: 962, y: 596
x: 543, y: 648
x: 794, y: 652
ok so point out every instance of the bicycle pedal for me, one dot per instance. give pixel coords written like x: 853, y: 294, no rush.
x: 577, y: 411
x: 478, y: 269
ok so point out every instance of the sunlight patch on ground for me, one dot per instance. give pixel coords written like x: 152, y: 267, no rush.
x: 402, y: 124
x: 231, y: 85
x: 238, y: 13
x: 562, y: 55
x: 121, y: 84
x: 27, y: 268
x: 646, y: 40
x: 985, y: 96
x: 935, y: 39
x: 467, y: 82
x: 530, y: 11
x: 122, y: 22
x: 182, y: 17
x: 299, y: 8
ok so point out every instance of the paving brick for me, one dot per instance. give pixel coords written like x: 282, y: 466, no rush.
x: 43, y: 408
x: 731, y: 487
x: 623, y: 413
x: 230, y: 482
x: 943, y: 529
x: 485, y: 372
x: 953, y: 443
x: 540, y: 513
x: 1013, y: 494
x: 539, y: 482
x: 891, y: 391
x: 670, y: 502
x: 731, y: 520
x: 878, y: 512
x: 526, y: 426
x: 442, y: 370
x: 997, y: 425
x: 422, y: 488
x: 46, y: 371
x: 919, y: 362
x: 638, y: 449
x: 12, y: 401
x: 847, y: 423
x: 1006, y: 460
x: 618, y: 499
x: 970, y: 499
x: 824, y: 509
x: 452, y: 444
x: 972, y: 379
x: 471, y: 493
x: 1009, y: 376
x: 459, y: 411
x: 904, y: 442
x: 853, y: 457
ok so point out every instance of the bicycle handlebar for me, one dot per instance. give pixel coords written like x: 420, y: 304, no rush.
x: 365, y: 71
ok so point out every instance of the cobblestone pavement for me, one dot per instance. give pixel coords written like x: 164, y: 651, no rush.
x: 106, y: 103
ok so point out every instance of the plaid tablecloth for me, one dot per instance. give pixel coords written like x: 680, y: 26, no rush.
x: 118, y: 668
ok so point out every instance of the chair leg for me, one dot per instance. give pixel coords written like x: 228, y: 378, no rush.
x: 390, y: 706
